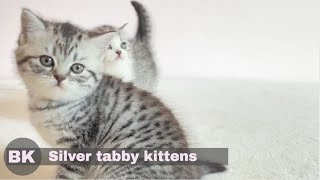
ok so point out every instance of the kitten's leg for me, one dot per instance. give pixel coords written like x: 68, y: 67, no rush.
x: 70, y: 172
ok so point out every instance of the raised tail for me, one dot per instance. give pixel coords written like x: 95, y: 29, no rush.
x: 144, y: 25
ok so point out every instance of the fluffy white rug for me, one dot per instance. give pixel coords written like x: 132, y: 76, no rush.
x: 270, y: 128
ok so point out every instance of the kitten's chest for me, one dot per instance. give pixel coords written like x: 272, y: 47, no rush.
x: 122, y: 69
x: 44, y: 123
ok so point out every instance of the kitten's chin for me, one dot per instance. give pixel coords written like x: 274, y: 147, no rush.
x: 59, y: 93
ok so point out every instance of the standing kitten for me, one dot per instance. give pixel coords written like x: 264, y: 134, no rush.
x: 119, y: 61
x: 73, y: 104
x: 132, y: 60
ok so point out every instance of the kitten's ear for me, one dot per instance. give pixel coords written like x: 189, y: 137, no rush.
x: 122, y: 27
x: 101, y: 40
x: 30, y: 22
x: 31, y: 25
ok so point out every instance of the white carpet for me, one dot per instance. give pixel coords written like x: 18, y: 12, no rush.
x: 270, y: 128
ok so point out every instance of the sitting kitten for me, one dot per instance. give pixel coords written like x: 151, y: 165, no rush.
x: 132, y: 60
x: 74, y: 105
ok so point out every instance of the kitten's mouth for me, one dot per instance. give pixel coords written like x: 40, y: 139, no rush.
x: 59, y: 85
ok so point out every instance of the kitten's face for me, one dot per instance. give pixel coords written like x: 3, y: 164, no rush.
x: 118, y: 49
x: 59, y: 61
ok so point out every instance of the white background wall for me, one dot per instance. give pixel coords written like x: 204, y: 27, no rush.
x: 271, y: 39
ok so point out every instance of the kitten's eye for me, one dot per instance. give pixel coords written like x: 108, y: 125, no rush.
x: 123, y: 45
x: 46, y: 61
x: 109, y: 47
x: 77, y: 68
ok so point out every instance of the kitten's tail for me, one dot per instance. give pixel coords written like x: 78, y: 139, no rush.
x: 212, y: 168
x: 144, y: 24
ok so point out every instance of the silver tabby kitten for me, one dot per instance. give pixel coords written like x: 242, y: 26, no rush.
x: 73, y: 104
x: 132, y: 60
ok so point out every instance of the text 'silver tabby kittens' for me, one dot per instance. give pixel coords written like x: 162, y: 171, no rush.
x: 73, y: 104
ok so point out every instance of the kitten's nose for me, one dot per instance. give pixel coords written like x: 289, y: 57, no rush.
x: 118, y: 52
x: 59, y: 78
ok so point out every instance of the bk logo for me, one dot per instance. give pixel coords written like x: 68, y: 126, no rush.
x: 20, y: 156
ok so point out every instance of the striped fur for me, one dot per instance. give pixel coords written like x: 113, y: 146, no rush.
x: 89, y: 109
